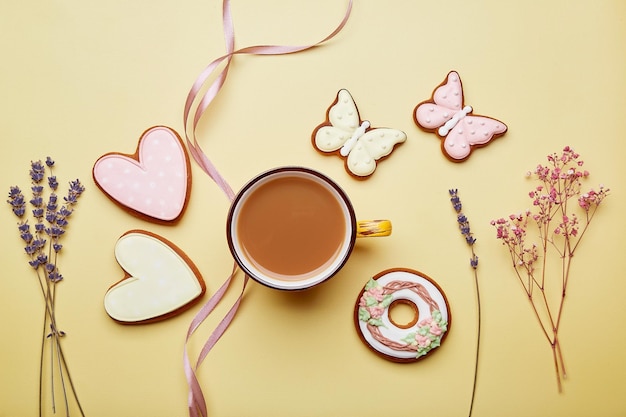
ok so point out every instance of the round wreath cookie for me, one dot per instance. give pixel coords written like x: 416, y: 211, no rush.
x: 402, y: 342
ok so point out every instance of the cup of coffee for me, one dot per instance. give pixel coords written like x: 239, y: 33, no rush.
x: 291, y: 228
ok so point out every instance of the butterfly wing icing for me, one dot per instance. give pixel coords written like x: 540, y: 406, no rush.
x: 446, y: 101
x: 471, y: 131
x: 450, y: 94
x: 373, y: 145
x: 344, y: 121
x: 432, y: 116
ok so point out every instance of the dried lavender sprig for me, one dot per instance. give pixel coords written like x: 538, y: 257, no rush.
x: 464, y: 227
x: 35, y: 244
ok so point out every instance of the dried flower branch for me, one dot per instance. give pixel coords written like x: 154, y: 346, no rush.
x: 559, y: 232
x: 464, y: 228
x: 42, y: 245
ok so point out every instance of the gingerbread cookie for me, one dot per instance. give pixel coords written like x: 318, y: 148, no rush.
x: 408, y: 342
x: 446, y: 115
x: 160, y: 280
x: 154, y: 182
x: 345, y: 134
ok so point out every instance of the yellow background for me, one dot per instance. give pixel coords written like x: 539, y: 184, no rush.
x: 82, y: 78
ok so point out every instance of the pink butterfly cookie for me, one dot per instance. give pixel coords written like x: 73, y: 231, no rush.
x: 446, y: 115
x: 154, y: 182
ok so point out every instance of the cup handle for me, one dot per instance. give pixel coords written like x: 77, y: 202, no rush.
x: 373, y: 228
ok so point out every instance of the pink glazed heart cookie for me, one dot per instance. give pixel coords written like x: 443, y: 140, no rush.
x: 154, y: 182
x: 446, y: 115
x: 160, y: 280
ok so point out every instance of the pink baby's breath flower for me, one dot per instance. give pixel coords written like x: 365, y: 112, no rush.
x: 559, y: 231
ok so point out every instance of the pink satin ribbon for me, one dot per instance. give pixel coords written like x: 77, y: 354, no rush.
x: 196, y: 399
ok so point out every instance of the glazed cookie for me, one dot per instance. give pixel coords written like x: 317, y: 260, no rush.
x: 160, y: 280
x: 154, y: 182
x: 402, y: 342
x: 446, y: 115
x: 344, y: 134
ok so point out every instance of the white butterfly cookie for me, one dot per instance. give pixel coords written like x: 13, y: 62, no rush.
x: 344, y: 133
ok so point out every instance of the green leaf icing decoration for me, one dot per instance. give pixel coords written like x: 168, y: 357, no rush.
x: 429, y: 334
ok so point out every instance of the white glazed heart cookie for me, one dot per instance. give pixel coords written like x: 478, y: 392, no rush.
x: 410, y: 341
x: 344, y: 133
x: 160, y: 280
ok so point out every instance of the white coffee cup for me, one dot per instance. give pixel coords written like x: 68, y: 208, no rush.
x: 292, y: 228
